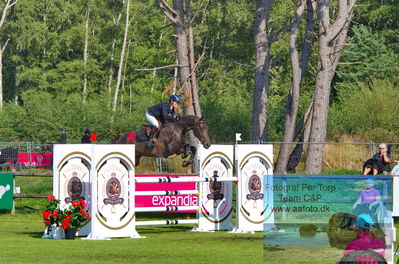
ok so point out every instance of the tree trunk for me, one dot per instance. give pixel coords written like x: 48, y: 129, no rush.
x: 2, y: 49
x: 111, y: 66
x: 261, y: 89
x: 124, y: 69
x: 183, y: 56
x: 301, y: 147
x: 6, y: 7
x: 293, y: 96
x: 85, y: 55
x: 331, y: 42
x: 118, y: 81
x: 159, y: 46
x: 298, y: 73
x: 1, y: 76
x: 193, y: 75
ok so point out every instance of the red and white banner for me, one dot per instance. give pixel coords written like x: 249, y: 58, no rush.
x: 167, y: 200
x: 35, y: 159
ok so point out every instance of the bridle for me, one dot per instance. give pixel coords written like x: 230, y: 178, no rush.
x: 195, y: 128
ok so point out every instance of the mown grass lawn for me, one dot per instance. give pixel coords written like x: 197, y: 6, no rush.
x: 21, y: 242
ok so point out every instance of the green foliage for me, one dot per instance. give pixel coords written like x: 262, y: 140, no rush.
x: 11, y: 119
x: 365, y: 108
x: 381, y: 16
x: 371, y: 58
x: 44, y: 70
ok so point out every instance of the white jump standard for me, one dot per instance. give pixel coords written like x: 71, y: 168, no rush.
x: 107, y: 181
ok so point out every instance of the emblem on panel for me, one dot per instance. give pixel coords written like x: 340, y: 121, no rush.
x: 113, y: 191
x: 253, y: 190
x: 75, y: 177
x: 254, y: 187
x: 75, y: 188
x: 112, y: 184
x: 215, y: 189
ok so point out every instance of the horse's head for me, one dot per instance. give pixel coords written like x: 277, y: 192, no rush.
x: 201, y: 132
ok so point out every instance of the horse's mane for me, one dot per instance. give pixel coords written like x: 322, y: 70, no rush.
x: 185, y: 119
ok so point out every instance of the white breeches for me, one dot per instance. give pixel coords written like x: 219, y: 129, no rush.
x: 151, y: 119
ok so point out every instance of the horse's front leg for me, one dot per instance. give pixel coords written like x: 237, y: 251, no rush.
x: 191, y: 150
x: 185, y: 150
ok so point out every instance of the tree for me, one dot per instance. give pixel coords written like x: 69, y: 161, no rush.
x: 185, y: 53
x: 298, y: 67
x: 5, y: 8
x: 332, y: 37
x: 119, y: 78
x: 262, y: 65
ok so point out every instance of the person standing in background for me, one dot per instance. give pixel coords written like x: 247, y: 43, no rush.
x: 63, y: 137
x: 86, y: 137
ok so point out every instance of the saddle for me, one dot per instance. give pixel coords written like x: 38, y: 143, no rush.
x: 143, y: 134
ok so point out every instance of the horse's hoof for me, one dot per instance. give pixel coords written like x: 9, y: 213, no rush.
x: 185, y: 163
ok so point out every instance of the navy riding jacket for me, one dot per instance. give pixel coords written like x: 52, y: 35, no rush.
x: 163, y: 112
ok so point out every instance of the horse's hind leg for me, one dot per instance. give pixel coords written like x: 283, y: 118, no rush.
x: 192, y: 151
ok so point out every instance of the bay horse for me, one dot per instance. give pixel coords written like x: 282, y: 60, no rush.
x: 170, y: 139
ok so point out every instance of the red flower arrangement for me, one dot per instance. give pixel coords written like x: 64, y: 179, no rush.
x: 52, y: 214
x: 75, y: 216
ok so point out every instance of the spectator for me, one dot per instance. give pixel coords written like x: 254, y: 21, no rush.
x: 378, y: 163
x: 86, y: 137
x: 365, y: 238
x: 63, y: 137
x: 368, y: 199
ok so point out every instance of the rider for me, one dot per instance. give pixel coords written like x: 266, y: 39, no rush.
x: 86, y: 137
x: 163, y: 112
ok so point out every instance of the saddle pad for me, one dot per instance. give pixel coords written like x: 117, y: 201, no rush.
x: 141, y: 135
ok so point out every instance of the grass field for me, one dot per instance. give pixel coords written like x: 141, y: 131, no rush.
x: 21, y: 242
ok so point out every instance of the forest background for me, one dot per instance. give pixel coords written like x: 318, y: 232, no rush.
x: 101, y: 64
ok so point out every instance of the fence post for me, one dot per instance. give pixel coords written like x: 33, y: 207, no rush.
x: 29, y: 154
x: 159, y: 165
x: 372, y: 148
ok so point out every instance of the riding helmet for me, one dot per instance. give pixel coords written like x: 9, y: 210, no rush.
x: 87, y: 131
x: 175, y: 97
x: 364, y: 221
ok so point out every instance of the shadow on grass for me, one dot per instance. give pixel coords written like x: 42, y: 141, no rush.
x: 273, y: 248
x: 243, y: 238
x: 162, y: 229
x: 33, y: 234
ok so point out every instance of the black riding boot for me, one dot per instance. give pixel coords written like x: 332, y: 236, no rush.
x: 150, y: 143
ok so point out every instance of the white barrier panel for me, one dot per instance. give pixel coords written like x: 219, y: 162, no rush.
x: 215, y: 200
x: 103, y: 175
x: 71, y: 176
x: 395, y: 209
x: 254, y: 203
x: 112, y: 211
